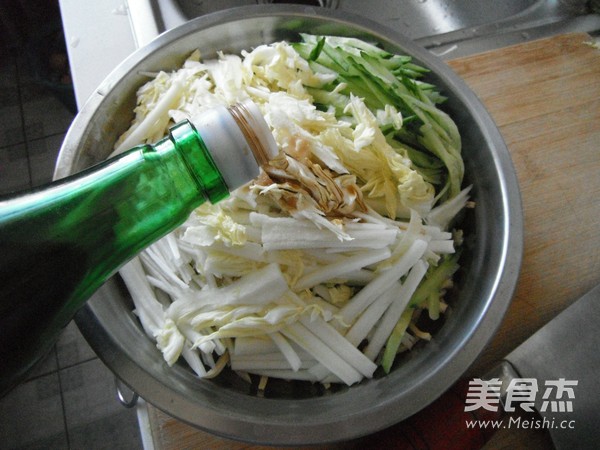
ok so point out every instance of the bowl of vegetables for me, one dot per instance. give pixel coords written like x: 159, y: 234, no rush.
x: 356, y: 278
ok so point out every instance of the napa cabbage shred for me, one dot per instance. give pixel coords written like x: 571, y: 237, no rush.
x: 321, y: 268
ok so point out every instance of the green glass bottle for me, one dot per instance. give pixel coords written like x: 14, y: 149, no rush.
x: 60, y: 242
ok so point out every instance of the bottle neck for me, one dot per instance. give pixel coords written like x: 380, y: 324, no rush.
x: 198, y: 161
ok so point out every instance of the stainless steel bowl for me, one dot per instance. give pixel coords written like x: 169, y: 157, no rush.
x: 305, y: 415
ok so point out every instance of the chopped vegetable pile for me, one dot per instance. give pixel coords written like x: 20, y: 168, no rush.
x: 319, y: 269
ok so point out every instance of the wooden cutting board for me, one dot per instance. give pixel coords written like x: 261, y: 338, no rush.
x: 545, y: 98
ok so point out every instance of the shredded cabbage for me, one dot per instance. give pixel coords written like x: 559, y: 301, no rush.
x: 315, y: 270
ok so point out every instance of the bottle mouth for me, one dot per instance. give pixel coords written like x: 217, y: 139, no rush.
x: 253, y: 126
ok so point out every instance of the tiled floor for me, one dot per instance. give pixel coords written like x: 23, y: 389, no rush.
x: 69, y: 401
